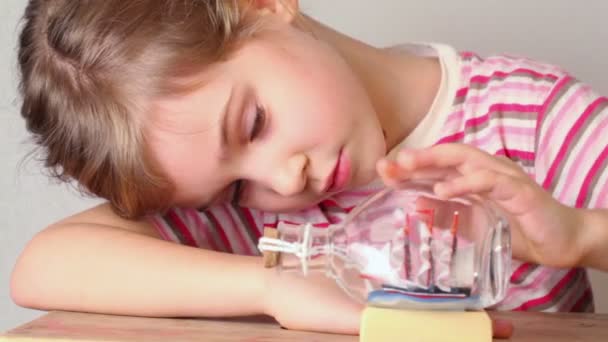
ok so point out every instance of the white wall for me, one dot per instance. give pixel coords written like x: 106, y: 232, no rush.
x: 28, y: 200
x: 551, y: 30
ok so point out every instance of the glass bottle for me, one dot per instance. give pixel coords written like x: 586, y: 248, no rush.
x: 406, y: 248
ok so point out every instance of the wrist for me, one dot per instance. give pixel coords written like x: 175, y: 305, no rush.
x: 274, y: 282
x: 581, y: 236
x: 269, y: 282
x: 593, y: 235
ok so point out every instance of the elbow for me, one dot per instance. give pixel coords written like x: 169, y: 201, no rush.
x: 20, y: 292
x: 29, y: 275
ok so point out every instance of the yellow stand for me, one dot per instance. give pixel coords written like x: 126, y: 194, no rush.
x: 388, y: 325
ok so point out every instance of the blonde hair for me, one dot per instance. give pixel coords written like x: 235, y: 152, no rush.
x: 89, y: 67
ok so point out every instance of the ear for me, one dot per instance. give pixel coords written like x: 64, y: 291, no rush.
x: 286, y: 10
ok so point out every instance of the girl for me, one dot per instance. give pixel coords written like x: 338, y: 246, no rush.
x: 201, y: 122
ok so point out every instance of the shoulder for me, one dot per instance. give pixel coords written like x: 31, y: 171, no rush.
x: 507, y: 78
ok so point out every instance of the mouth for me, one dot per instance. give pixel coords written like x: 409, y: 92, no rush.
x: 338, y: 178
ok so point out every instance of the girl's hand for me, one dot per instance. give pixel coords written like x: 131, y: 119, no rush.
x: 316, y: 303
x: 544, y: 231
x: 311, y: 303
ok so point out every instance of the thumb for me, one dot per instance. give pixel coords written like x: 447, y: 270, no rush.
x: 502, y: 329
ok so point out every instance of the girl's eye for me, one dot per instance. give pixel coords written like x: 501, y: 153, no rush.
x: 256, y: 124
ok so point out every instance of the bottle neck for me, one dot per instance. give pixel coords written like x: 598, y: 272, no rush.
x: 301, y: 247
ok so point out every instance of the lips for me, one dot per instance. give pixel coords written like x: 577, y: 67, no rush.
x: 338, y: 178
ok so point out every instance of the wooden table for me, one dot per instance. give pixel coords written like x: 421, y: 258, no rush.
x: 68, y: 326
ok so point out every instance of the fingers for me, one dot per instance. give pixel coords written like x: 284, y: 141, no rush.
x: 392, y: 174
x: 497, y: 186
x: 461, y: 157
x: 448, y: 162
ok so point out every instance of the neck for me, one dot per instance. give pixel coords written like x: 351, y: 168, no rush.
x: 401, y: 86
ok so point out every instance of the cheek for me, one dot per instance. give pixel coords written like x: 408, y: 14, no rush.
x: 311, y: 104
x: 307, y: 83
x: 190, y: 174
x: 313, y: 119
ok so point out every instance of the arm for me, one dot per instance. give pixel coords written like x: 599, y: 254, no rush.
x: 97, y: 262
x: 559, y: 218
x: 594, y: 242
x: 543, y: 230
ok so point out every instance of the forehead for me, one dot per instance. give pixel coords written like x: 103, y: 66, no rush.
x: 197, y: 109
x: 183, y: 136
x: 183, y: 130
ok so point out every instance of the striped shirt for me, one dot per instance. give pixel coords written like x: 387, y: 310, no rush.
x: 534, y: 113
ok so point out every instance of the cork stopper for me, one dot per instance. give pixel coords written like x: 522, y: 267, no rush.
x: 271, y: 259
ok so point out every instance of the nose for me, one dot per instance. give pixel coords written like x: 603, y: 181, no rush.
x: 290, y: 179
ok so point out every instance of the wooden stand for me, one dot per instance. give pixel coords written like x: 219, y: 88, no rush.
x: 379, y: 325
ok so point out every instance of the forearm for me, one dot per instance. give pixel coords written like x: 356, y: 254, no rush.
x: 594, y: 239
x: 95, y: 268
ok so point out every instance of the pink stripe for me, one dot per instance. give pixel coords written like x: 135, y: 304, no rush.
x: 602, y: 198
x: 221, y: 232
x: 161, y: 229
x: 482, y: 119
x: 519, y: 272
x: 582, y: 196
x: 512, y: 61
x: 556, y: 121
x: 501, y: 107
x: 530, y: 88
x: 468, y: 54
x: 451, y: 138
x: 202, y: 229
x: 271, y: 223
x: 237, y: 229
x: 549, y: 296
x: 330, y: 203
x: 524, y: 155
x: 578, y: 162
x: 192, y: 215
x: 521, y: 291
x: 455, y: 116
x: 251, y: 221
x: 502, y: 131
x: 565, y: 147
x: 485, y: 79
x: 462, y: 92
x: 334, y: 219
x: 549, y: 100
x: 183, y: 229
x: 506, y: 61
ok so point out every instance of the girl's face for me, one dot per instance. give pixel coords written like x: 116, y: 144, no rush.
x: 280, y: 126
